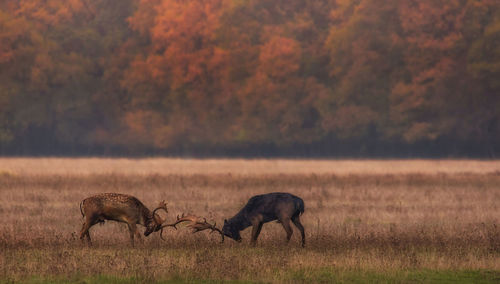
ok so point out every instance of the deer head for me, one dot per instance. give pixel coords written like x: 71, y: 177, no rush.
x: 154, y: 222
x: 231, y: 231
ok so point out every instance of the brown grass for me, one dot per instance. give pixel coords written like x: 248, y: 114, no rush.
x: 398, y: 216
x: 166, y: 166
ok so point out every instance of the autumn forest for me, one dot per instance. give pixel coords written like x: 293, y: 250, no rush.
x: 250, y: 77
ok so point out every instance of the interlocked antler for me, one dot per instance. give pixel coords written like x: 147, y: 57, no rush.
x: 196, y: 223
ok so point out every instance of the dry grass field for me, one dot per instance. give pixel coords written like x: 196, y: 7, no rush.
x: 366, y: 221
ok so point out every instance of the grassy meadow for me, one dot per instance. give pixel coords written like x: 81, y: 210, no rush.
x: 366, y: 221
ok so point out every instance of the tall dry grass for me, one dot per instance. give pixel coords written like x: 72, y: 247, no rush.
x: 396, y: 217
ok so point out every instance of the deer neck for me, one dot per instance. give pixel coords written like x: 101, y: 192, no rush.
x: 240, y: 221
x: 146, y: 216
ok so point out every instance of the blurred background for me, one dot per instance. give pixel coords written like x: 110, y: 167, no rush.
x: 316, y: 78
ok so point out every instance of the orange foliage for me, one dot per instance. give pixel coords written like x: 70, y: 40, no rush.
x: 280, y: 57
x: 55, y: 12
x: 168, y: 74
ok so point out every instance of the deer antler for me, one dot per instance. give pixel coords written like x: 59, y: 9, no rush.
x: 161, y: 206
x: 196, y: 224
x: 189, y: 218
x: 179, y: 220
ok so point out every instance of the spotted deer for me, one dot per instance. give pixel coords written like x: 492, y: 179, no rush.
x: 260, y: 209
x: 121, y: 208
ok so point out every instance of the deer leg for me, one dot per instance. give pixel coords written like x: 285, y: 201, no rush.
x: 82, y: 231
x: 288, y: 228
x: 133, y: 230
x: 255, y: 232
x: 138, y: 235
x: 89, y: 240
x: 296, y: 222
x: 85, y: 230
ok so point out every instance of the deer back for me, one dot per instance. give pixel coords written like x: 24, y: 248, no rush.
x: 271, y: 206
x: 117, y: 207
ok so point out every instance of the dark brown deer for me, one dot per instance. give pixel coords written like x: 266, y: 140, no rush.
x: 121, y: 208
x: 260, y: 209
x: 196, y: 223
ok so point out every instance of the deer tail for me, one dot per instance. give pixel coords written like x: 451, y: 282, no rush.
x: 81, y: 211
x: 299, y: 204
